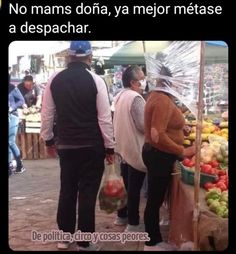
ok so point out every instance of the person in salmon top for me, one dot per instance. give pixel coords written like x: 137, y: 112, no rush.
x: 164, y: 137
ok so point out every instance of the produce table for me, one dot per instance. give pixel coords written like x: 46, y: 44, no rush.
x: 31, y: 146
x: 181, y: 218
x: 28, y: 138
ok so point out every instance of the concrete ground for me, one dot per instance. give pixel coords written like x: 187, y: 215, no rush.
x: 33, y: 198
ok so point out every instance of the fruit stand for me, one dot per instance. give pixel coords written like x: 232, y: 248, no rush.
x: 213, y: 229
x: 213, y: 194
x: 28, y: 138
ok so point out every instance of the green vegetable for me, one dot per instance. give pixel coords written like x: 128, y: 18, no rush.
x: 224, y: 198
x: 214, y: 205
x: 226, y: 214
x: 223, y: 203
x: 219, y: 157
x: 209, y: 201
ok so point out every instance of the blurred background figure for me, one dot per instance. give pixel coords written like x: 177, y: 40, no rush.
x: 15, y: 101
x: 31, y: 92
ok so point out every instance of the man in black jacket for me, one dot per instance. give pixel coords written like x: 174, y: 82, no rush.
x: 79, y: 99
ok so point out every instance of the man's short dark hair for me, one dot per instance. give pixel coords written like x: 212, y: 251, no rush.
x: 28, y: 78
x: 130, y: 74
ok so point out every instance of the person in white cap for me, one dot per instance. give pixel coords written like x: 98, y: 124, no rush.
x: 79, y: 99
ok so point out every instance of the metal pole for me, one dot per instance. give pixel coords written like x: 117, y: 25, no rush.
x: 144, y: 47
x: 198, y: 149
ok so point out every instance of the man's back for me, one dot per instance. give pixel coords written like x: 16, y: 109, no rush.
x: 74, y: 93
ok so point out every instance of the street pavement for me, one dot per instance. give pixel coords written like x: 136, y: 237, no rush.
x: 33, y: 199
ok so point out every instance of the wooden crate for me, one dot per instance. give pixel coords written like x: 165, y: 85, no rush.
x: 32, y: 127
x: 32, y: 146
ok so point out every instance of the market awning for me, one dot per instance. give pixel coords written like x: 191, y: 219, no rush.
x: 133, y: 52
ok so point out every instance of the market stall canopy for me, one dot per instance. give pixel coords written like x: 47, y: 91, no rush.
x: 24, y: 48
x: 133, y: 52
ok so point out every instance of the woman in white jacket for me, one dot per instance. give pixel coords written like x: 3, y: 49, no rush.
x: 129, y: 136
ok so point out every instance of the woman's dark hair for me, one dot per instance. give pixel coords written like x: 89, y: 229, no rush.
x: 130, y: 74
x: 28, y: 78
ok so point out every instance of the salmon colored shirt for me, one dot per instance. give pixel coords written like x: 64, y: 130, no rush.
x: 162, y: 114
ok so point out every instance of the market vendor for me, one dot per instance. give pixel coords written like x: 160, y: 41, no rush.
x: 31, y: 92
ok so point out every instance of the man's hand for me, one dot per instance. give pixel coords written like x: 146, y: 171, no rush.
x: 110, y: 158
x: 51, y: 151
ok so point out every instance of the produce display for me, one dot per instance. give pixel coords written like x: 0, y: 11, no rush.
x: 221, y: 182
x: 112, y: 195
x: 32, y: 114
x: 214, y: 158
x: 212, y: 127
x: 36, y: 117
x: 217, y: 201
x: 213, y: 161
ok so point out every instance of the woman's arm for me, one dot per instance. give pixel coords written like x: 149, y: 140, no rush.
x: 18, y: 97
x: 137, y: 113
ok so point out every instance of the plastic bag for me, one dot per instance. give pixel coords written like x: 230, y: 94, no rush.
x: 112, y: 195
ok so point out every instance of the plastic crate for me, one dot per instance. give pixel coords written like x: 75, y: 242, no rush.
x: 187, y: 176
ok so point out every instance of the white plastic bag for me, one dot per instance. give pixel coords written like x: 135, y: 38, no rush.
x: 112, y: 195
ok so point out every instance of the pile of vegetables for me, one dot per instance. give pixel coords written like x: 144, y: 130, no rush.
x: 31, y: 110
x: 221, y: 183
x: 217, y: 201
x: 32, y: 114
x: 33, y: 117
x: 217, y: 150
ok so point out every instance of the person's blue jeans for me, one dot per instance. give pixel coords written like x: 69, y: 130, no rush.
x: 13, y: 149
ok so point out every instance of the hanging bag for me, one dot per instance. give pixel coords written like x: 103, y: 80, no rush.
x: 112, y: 195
